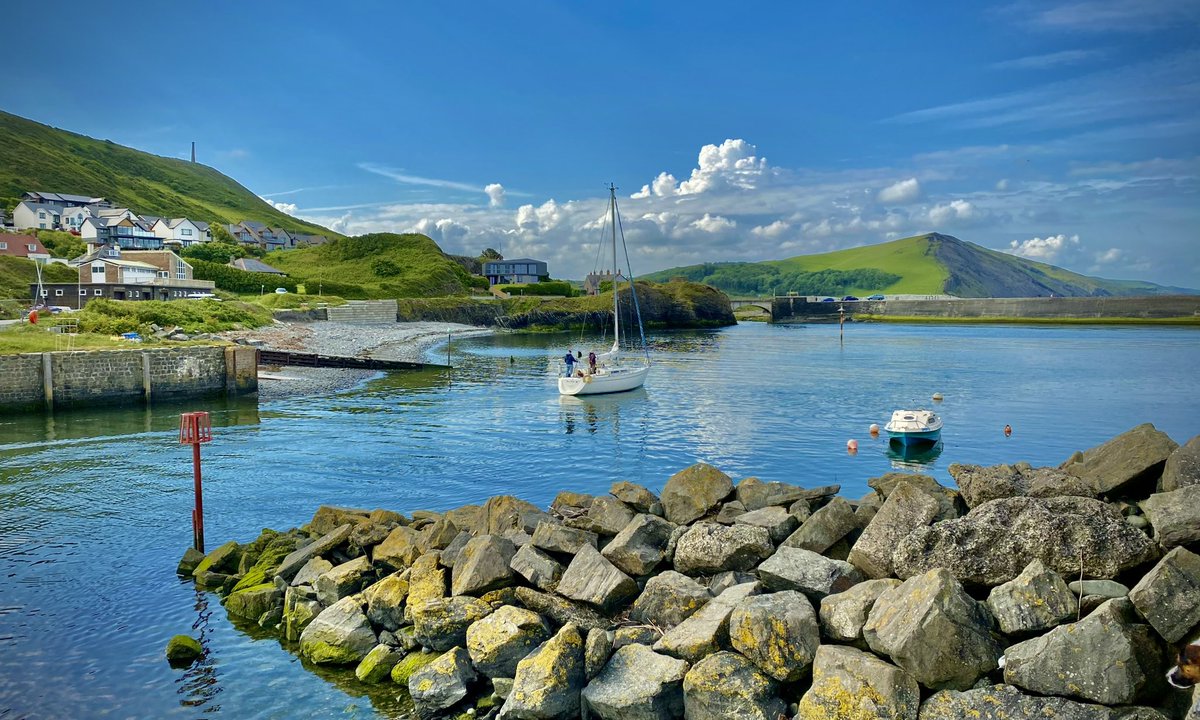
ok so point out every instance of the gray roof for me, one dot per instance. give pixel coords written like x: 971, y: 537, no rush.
x: 200, y: 224
x: 254, y: 225
x: 64, y: 198
x: 255, y: 265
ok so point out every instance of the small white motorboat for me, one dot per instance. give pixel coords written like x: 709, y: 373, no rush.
x: 912, y: 427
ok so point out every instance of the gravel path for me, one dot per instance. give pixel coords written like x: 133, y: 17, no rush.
x: 398, y: 341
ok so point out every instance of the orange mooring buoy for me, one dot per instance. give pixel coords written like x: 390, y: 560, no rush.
x: 1008, y: 431
x: 874, y: 430
x: 852, y: 447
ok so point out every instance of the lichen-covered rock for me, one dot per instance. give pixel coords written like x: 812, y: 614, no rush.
x: 328, y: 518
x: 844, y: 614
x: 850, y: 684
x: 606, y: 516
x: 342, y: 580
x: 183, y: 650
x: 633, y: 495
x: 500, y: 640
x: 187, y: 564
x: 640, y: 546
x: 669, y: 599
x: 300, y: 606
x: 311, y: 570
x: 824, y: 527
x: 340, y: 635
x: 221, y: 561
x: 694, y: 491
x: 1005, y: 702
x: 979, y: 484
x: 385, y: 601
x: 814, y: 575
x: 934, y: 630
x: 1182, y: 468
x: 1168, y: 596
x: 707, y: 630
x: 449, y: 555
x: 556, y: 538
x: 505, y: 512
x: 377, y: 665
x: 541, y: 570
x: 754, y: 493
x: 950, y: 505
x: 250, y: 603
x: 1128, y: 461
x: 726, y: 685
x: 412, y: 662
x: 597, y: 648
x: 592, y: 579
x: 637, y: 684
x: 296, y: 560
x: 426, y: 580
x: 636, y: 634
x: 483, y: 565
x: 1103, y: 658
x: 906, y: 509
x: 777, y: 632
x: 442, y: 684
x: 775, y: 520
x: 442, y: 623
x: 709, y: 547
x: 560, y: 610
x: 548, y: 682
x: 400, y: 548
x: 1175, y: 516
x: 995, y: 541
x: 1036, y: 600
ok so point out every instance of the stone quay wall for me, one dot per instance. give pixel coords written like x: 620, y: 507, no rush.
x: 789, y: 309
x: 364, y: 312
x: 65, y: 379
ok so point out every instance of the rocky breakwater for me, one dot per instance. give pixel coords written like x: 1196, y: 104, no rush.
x: 1024, y: 593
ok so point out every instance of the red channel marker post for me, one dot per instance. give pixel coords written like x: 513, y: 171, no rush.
x: 196, y: 428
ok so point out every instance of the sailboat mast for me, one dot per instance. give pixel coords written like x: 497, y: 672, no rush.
x: 612, y: 192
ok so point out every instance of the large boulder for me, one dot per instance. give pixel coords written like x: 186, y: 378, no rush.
x: 442, y: 623
x: 1128, y: 462
x: 300, y: 607
x: 844, y: 614
x: 250, y: 603
x: 223, y: 561
x: 606, y: 516
x: 814, y: 575
x: 994, y: 542
x: 483, y: 566
x: 637, y: 684
x: 385, y: 601
x: 1103, y: 658
x: 501, y: 640
x: 502, y: 513
x: 979, y: 484
x: 640, y: 546
x: 442, y: 684
x: 556, y: 538
x: 776, y: 520
x: 707, y: 630
x: 1168, y: 596
x: 824, y: 527
x: 726, y: 685
x: 311, y: 570
x: 340, y: 635
x: 1175, y: 516
x: 538, y: 568
x: 597, y: 648
x: 906, y: 509
x: 592, y: 579
x: 561, y: 611
x: 850, y: 684
x: 692, y: 492
x: 754, y: 493
x: 1005, y: 702
x: 708, y: 548
x: 635, y: 496
x: 1036, y: 600
x: 548, y: 682
x: 377, y: 665
x: 345, y: 579
x: 934, y: 630
x: 426, y: 580
x: 1182, y: 468
x: 669, y: 599
x: 950, y: 505
x: 777, y: 632
x: 400, y: 548
x: 328, y: 518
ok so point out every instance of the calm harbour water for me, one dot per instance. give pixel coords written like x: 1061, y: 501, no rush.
x: 95, y: 505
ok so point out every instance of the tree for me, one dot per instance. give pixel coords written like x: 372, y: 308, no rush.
x: 220, y: 234
x: 218, y: 252
x: 490, y: 254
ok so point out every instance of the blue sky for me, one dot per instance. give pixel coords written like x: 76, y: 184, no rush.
x: 1064, y: 130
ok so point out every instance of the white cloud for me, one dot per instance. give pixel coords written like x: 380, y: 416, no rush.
x: 1047, y: 60
x: 495, y: 193
x: 901, y: 192
x: 1002, y: 184
x: 289, y: 208
x: 775, y: 230
x: 955, y: 211
x: 1108, y: 15
x: 548, y: 216
x: 713, y: 223
x: 447, y: 233
x: 1110, y: 256
x: 732, y: 164
x: 1048, y: 249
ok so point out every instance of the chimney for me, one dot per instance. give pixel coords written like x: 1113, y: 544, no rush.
x: 193, y: 151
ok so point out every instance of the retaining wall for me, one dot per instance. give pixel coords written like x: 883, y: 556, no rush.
x: 95, y: 377
x: 364, y: 312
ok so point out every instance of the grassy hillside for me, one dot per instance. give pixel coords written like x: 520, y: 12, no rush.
x: 34, y: 156
x: 382, y: 265
x: 17, y: 274
x: 923, y: 265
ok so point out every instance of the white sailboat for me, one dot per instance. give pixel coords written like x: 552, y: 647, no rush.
x: 612, y: 372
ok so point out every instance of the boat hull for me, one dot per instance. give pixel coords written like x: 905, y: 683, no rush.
x: 927, y: 437
x: 604, y: 383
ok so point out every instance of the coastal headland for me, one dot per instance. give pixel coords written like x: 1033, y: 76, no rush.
x: 1150, y: 309
x: 1023, y: 592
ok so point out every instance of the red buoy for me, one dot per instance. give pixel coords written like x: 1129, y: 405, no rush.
x: 1008, y: 431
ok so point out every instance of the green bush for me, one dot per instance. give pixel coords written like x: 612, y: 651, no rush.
x: 385, y: 268
x: 234, y: 280
x: 113, y: 317
x: 218, y: 252
x: 62, y: 244
x: 552, y: 287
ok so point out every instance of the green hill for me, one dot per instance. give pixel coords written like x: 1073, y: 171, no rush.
x: 18, y: 273
x: 930, y: 264
x: 34, y: 156
x: 381, y: 265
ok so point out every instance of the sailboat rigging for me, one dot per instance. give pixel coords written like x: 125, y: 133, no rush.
x: 610, y: 373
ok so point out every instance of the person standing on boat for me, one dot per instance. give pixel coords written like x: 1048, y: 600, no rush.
x: 591, y: 363
x: 569, y: 359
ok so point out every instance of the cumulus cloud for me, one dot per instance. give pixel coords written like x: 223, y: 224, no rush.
x: 289, y: 208
x: 713, y: 223
x: 1002, y: 184
x: 955, y: 211
x: 775, y: 230
x: 447, y: 233
x: 495, y: 193
x: 547, y: 216
x: 901, y: 192
x: 1049, y: 249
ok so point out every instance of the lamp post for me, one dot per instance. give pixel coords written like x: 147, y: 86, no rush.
x: 262, y: 289
x: 196, y: 428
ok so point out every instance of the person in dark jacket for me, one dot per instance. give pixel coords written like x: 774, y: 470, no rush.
x: 569, y: 359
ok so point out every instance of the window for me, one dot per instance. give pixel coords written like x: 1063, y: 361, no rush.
x: 186, y: 232
x: 97, y: 291
x: 164, y: 274
x: 58, y: 293
x: 31, y: 248
x: 43, y: 293
x: 181, y: 269
x: 41, y: 214
x: 82, y: 293
x: 42, y: 225
x: 3, y: 246
x: 97, y: 269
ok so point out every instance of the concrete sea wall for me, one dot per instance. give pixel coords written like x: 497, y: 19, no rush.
x: 66, y: 379
x: 789, y: 309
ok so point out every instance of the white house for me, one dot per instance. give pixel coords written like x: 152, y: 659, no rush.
x: 185, y: 231
x: 123, y: 229
x: 43, y: 216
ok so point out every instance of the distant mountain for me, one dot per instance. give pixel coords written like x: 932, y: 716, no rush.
x: 931, y: 264
x: 38, y: 157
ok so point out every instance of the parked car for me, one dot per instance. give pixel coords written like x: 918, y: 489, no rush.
x: 827, y: 300
x: 281, y: 291
x: 875, y: 297
x: 849, y: 298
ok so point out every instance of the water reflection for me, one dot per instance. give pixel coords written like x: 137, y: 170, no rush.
x: 913, y: 457
x: 199, y: 685
x: 591, y: 412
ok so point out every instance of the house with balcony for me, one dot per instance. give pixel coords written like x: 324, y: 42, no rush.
x: 121, y: 228
x: 110, y: 272
x: 510, y: 272
x: 186, y: 232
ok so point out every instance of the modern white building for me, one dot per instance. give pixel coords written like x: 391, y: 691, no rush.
x: 186, y: 231
x: 30, y: 215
